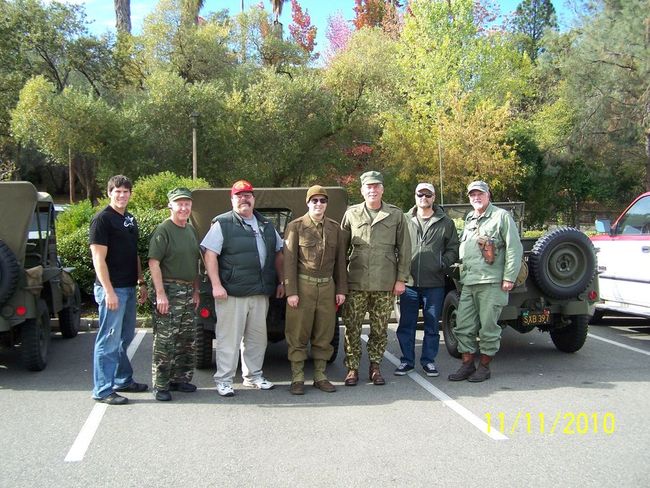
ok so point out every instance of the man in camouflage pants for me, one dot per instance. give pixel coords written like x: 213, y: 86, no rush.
x: 173, y: 261
x: 379, y: 265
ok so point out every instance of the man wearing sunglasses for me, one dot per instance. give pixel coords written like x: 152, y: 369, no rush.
x: 434, y: 246
x: 379, y: 261
x: 315, y: 282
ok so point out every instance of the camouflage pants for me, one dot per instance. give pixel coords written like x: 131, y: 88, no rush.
x: 379, y: 305
x: 174, y: 339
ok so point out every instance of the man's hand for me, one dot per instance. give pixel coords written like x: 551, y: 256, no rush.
x: 196, y: 298
x: 507, y: 285
x: 162, y: 303
x: 293, y: 300
x: 142, y: 295
x: 279, y: 291
x: 399, y: 288
x: 112, y: 302
x: 339, y: 300
x: 219, y: 292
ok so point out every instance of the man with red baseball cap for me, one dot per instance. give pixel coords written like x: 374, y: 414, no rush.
x: 243, y: 259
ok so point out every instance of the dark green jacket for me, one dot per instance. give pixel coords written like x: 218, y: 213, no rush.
x: 239, y: 261
x: 432, y: 250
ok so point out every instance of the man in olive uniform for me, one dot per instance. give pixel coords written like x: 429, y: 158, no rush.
x: 173, y: 261
x: 315, y: 282
x: 491, y: 251
x: 379, y: 263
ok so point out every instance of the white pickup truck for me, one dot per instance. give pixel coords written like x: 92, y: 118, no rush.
x: 623, y: 252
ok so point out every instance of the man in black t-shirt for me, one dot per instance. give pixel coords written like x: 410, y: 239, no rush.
x: 114, y: 248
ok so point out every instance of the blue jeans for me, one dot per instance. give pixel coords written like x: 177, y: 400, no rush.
x: 111, y: 366
x: 409, y: 304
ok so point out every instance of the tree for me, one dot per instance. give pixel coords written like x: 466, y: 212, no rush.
x: 607, y: 74
x: 302, y: 31
x: 531, y: 19
x: 338, y: 34
x: 372, y: 13
x: 122, y: 15
x: 190, y: 11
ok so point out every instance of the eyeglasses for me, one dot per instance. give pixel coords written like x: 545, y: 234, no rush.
x: 318, y: 200
x: 425, y: 195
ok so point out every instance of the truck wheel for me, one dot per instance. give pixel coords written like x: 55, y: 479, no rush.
x: 572, y: 337
x: 70, y: 316
x: 335, y: 340
x: 449, y: 310
x: 204, y: 339
x: 35, y: 340
x: 563, y: 262
x: 9, y: 271
x: 597, y: 317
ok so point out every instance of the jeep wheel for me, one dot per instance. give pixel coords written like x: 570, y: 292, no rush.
x: 35, y: 340
x: 204, y: 339
x: 572, y: 337
x: 9, y: 271
x: 449, y: 310
x: 598, y: 316
x: 335, y: 340
x: 70, y: 316
x: 563, y: 263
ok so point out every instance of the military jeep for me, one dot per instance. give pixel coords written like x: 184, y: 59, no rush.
x: 557, y: 295
x: 280, y: 206
x: 33, y: 285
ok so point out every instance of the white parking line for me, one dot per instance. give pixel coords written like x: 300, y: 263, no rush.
x: 624, y: 346
x: 446, y: 400
x: 87, y: 432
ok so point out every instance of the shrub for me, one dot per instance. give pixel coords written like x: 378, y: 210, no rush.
x: 150, y: 192
x: 75, y: 217
x: 74, y: 252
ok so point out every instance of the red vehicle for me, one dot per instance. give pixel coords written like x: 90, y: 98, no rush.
x: 623, y: 252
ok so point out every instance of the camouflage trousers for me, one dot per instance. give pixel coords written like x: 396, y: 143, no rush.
x: 379, y: 305
x: 174, y: 339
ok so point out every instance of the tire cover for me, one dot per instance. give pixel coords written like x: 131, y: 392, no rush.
x: 9, y: 271
x: 563, y: 262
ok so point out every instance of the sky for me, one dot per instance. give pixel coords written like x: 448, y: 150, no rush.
x: 102, y: 14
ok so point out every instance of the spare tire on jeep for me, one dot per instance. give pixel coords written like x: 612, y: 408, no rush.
x: 9, y: 270
x: 563, y: 262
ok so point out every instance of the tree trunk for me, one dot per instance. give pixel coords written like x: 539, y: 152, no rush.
x: 123, y: 15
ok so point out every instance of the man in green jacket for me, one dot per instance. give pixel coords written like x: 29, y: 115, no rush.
x: 434, y: 246
x: 491, y: 251
x: 379, y: 261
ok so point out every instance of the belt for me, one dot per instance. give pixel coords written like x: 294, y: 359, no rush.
x: 178, y: 282
x: 314, y: 280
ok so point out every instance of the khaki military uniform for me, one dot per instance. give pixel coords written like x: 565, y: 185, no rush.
x: 379, y: 254
x: 482, y: 298
x: 314, y: 269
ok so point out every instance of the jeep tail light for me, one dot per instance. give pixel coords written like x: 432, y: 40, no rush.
x: 204, y: 313
x: 21, y: 310
x: 592, y: 296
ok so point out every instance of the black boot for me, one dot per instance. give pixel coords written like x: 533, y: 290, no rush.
x: 466, y: 369
x: 483, y: 371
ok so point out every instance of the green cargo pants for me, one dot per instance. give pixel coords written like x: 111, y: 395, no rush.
x: 478, y: 311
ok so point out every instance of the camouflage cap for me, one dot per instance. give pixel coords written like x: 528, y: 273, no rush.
x: 178, y: 193
x: 478, y: 185
x: 371, y: 177
x: 315, y: 190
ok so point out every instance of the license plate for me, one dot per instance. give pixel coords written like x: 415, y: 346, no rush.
x: 536, y: 318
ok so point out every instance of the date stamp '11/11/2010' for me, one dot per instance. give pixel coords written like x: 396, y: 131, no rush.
x: 565, y: 423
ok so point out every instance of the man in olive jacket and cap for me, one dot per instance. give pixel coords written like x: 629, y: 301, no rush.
x: 491, y: 251
x: 379, y: 262
x: 315, y: 282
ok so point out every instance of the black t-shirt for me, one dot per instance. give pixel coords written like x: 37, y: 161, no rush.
x: 120, y: 234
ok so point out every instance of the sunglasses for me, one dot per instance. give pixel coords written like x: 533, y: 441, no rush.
x: 318, y: 200
x: 425, y: 195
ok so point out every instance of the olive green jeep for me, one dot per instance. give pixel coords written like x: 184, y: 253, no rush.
x: 556, y: 291
x: 280, y: 206
x: 33, y: 285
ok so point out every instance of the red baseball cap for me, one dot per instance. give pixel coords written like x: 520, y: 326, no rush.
x: 241, y: 186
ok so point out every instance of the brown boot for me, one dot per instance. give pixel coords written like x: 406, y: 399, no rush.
x: 352, y: 378
x: 375, y: 374
x: 483, y: 371
x: 324, y: 385
x: 466, y: 370
x: 297, y: 388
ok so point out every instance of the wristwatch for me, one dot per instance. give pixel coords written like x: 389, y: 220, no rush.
x: 141, y: 283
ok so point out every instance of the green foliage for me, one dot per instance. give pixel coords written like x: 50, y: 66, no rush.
x: 150, y: 192
x: 74, y: 218
x: 74, y: 251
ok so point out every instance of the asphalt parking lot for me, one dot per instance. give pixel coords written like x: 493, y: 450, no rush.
x: 544, y: 419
